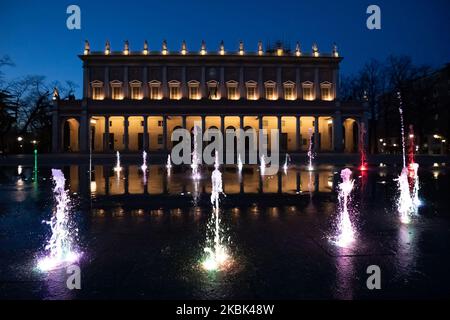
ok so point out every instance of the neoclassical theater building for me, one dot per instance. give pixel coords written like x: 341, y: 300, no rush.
x: 133, y: 100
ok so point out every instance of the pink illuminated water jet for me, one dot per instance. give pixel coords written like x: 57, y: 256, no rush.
x: 362, y: 148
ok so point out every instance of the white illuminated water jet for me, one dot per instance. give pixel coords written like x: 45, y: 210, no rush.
x: 195, y: 159
x: 169, y: 163
x: 402, y: 125
x: 346, y: 234
x: 286, y: 163
x: 60, y: 247
x: 405, y: 204
x: 310, y: 151
x: 262, y: 165
x: 240, y: 164
x: 117, y: 168
x: 216, y: 250
x: 144, y: 162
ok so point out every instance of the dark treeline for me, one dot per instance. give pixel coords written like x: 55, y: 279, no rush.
x: 25, y: 110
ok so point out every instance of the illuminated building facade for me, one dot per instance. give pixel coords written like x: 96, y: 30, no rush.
x: 133, y: 101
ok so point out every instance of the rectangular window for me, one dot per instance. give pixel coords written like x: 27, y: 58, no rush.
x: 174, y: 92
x: 97, y: 93
x: 308, y: 93
x: 326, y: 93
x: 154, y: 92
x: 135, y: 93
x: 251, y: 93
x: 289, y: 93
x: 160, y: 123
x: 194, y: 92
x: 116, y: 93
x: 160, y: 139
x: 232, y: 93
x: 270, y: 93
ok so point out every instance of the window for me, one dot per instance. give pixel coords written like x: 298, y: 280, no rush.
x: 270, y: 87
x: 135, y: 87
x: 174, y: 90
x: 232, y: 90
x: 213, y: 90
x: 325, y: 91
x: 97, y: 90
x: 160, y: 123
x: 194, y: 90
x: 116, y: 90
x: 308, y: 92
x: 251, y: 90
x: 155, y: 90
x: 160, y: 139
x: 289, y: 90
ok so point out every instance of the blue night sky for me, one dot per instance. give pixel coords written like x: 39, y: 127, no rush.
x: 35, y: 36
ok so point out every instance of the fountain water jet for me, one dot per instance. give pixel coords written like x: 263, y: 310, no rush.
x: 310, y: 151
x: 262, y: 165
x: 60, y: 246
x: 144, y: 162
x: 405, y: 204
x: 362, y: 148
x: 286, y: 163
x: 240, y: 164
x: 117, y: 168
x: 195, y: 158
x: 346, y: 233
x: 216, y: 252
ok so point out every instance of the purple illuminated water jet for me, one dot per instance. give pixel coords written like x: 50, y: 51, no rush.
x: 60, y: 247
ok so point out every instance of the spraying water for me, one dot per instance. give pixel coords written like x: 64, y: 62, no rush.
x: 286, y: 163
x: 216, y: 252
x: 262, y: 165
x: 240, y: 164
x: 144, y: 162
x: 60, y: 247
x: 195, y: 158
x: 346, y: 233
x: 362, y: 147
x: 405, y: 204
x: 310, y: 151
x: 413, y: 169
x: 402, y: 124
x: 117, y: 168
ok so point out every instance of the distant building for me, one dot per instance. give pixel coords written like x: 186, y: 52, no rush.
x: 134, y: 100
x: 426, y: 107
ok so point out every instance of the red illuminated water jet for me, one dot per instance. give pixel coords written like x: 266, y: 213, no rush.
x: 362, y: 150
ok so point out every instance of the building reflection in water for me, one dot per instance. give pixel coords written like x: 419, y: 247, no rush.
x: 105, y: 182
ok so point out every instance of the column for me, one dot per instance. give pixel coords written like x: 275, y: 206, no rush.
x: 126, y: 85
x: 223, y: 92
x: 106, y: 135
x: 316, y: 133
x: 260, y: 83
x: 86, y: 82
x: 164, y: 82
x: 260, y: 132
x: 84, y: 130
x: 279, y: 84
x: 145, y: 83
x: 183, y: 122
x: 298, y: 84
x: 222, y: 130
x: 299, y: 136
x: 202, y: 83
x: 337, y: 130
x: 280, y: 127
x: 316, y: 84
x: 106, y: 86
x: 241, y: 83
x: 125, y: 133
x: 164, y: 132
x: 145, y: 134
x: 336, y: 83
x: 184, y: 93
